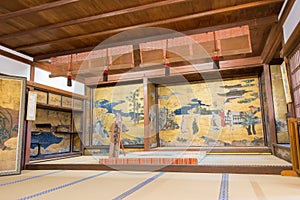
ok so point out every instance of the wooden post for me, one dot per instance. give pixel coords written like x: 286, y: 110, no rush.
x: 270, y: 113
x: 115, y: 141
x: 146, y: 115
x: 29, y: 123
x: 157, y: 117
x: 295, y: 147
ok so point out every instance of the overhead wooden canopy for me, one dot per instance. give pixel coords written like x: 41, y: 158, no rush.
x: 48, y: 28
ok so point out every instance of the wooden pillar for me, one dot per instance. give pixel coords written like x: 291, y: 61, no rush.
x: 136, y: 55
x: 270, y: 105
x: 146, y: 115
x: 29, y: 123
x: 157, y: 117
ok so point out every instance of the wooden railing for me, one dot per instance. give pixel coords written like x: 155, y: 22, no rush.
x: 294, y: 131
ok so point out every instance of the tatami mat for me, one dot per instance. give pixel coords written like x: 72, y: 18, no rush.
x: 106, y: 185
x: 209, y: 159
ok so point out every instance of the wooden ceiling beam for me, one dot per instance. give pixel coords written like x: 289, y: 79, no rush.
x: 273, y: 42
x: 181, y: 70
x: 15, y: 57
x: 90, y: 18
x: 38, y: 8
x: 153, y: 24
x: 244, y: 62
x: 253, y: 22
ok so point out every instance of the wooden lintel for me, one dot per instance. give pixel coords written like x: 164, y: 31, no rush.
x: 180, y: 71
x: 35, y: 9
x: 153, y: 24
x: 15, y: 57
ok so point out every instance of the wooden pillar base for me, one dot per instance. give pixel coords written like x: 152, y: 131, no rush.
x: 289, y: 173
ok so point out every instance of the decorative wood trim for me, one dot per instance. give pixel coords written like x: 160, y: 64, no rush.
x: 15, y: 57
x: 90, y: 18
x: 35, y: 9
x: 153, y: 24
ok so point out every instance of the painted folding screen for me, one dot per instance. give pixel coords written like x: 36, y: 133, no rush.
x: 123, y: 104
x: 223, y: 113
x: 12, y: 107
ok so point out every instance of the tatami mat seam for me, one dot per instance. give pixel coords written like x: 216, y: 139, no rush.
x: 62, y: 186
x: 223, y: 195
x: 30, y: 178
x: 139, y: 186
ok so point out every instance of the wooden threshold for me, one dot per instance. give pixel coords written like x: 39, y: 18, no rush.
x: 220, y: 150
x: 253, y: 169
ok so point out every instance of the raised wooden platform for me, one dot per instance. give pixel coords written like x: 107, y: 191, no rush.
x: 149, y: 161
x: 213, y: 163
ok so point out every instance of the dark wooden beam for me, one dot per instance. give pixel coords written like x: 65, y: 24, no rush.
x: 273, y: 42
x: 90, y: 18
x: 35, y: 9
x: 15, y: 57
x: 252, y: 22
x: 218, y: 11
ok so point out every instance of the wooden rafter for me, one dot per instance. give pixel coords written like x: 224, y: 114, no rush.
x: 91, y: 18
x: 153, y: 24
x: 252, y: 22
x: 35, y: 9
x: 15, y: 57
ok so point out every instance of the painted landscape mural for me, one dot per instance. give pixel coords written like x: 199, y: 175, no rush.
x: 49, y: 141
x: 225, y: 113
x: 123, y: 104
x: 280, y: 108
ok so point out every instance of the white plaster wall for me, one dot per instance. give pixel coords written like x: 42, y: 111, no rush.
x: 14, y: 68
x: 291, y: 21
x: 42, y: 77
